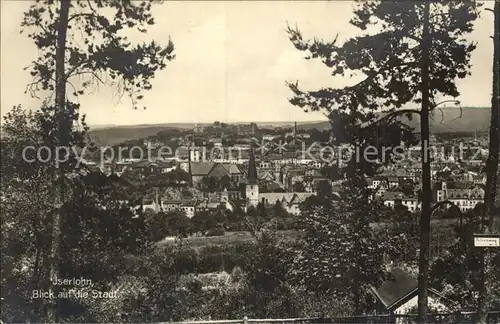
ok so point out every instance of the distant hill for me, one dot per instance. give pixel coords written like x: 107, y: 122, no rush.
x: 115, y: 134
x: 451, y: 120
x: 472, y: 119
x: 119, y: 134
x: 460, y: 120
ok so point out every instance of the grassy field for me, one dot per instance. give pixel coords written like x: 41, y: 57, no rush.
x: 233, y: 238
x: 230, y: 238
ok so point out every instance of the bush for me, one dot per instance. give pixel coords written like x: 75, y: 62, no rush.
x: 217, y: 231
x: 186, y: 261
x: 212, y: 258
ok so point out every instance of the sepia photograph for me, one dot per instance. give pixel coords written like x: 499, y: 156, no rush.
x: 263, y: 161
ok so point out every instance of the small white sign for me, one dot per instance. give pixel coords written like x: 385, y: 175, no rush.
x: 485, y: 241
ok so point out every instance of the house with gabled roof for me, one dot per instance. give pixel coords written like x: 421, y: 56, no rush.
x: 150, y: 202
x: 234, y: 171
x: 399, y: 295
x: 198, y: 171
x: 393, y: 181
x: 289, y: 200
x: 267, y: 175
x: 218, y: 171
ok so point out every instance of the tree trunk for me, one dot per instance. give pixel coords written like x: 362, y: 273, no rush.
x: 425, y: 217
x: 37, y: 266
x: 62, y: 127
x: 491, y: 167
x: 492, y: 164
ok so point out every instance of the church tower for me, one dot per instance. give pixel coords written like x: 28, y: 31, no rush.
x: 252, y: 187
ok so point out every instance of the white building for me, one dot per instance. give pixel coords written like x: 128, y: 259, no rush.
x: 464, y: 198
x: 268, y: 137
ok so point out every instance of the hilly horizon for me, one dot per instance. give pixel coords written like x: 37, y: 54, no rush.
x: 449, y: 121
x: 466, y: 119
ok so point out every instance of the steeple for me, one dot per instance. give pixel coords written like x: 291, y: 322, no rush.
x: 252, y: 169
x: 252, y: 187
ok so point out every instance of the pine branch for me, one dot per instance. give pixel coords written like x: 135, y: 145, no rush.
x: 391, y: 116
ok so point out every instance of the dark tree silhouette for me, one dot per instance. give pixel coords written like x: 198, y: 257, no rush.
x: 340, y: 255
x: 63, y: 61
x: 416, y: 58
x: 492, y: 163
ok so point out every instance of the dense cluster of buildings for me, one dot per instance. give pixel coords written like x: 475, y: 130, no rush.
x: 458, y: 181
x: 243, y: 187
x: 277, y: 172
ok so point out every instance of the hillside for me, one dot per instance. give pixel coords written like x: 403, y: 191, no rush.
x: 115, y: 134
x: 460, y: 120
x: 119, y: 134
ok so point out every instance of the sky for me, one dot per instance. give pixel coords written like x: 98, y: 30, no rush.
x: 232, y: 61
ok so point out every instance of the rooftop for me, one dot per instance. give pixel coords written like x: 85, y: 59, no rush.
x: 399, y: 284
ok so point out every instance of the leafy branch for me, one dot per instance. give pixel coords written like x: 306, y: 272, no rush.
x: 130, y: 67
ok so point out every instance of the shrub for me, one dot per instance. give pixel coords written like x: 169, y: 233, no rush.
x: 217, y: 231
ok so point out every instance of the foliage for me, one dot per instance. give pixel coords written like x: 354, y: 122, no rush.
x: 299, y: 187
x: 25, y: 198
x: 216, y: 184
x: 339, y: 254
x: 324, y: 189
x: 99, y: 230
x: 187, y: 194
x: 79, y: 46
x: 389, y: 59
x: 209, y: 184
x: 174, y: 223
x: 207, y: 220
x: 235, y: 218
x: 267, y: 293
x: 174, y: 178
x: 224, y: 183
x: 404, y: 234
x: 457, y: 271
x: 106, y: 53
x: 279, y: 211
x: 415, y: 55
x: 151, y: 293
x: 217, y: 231
x: 388, y: 65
